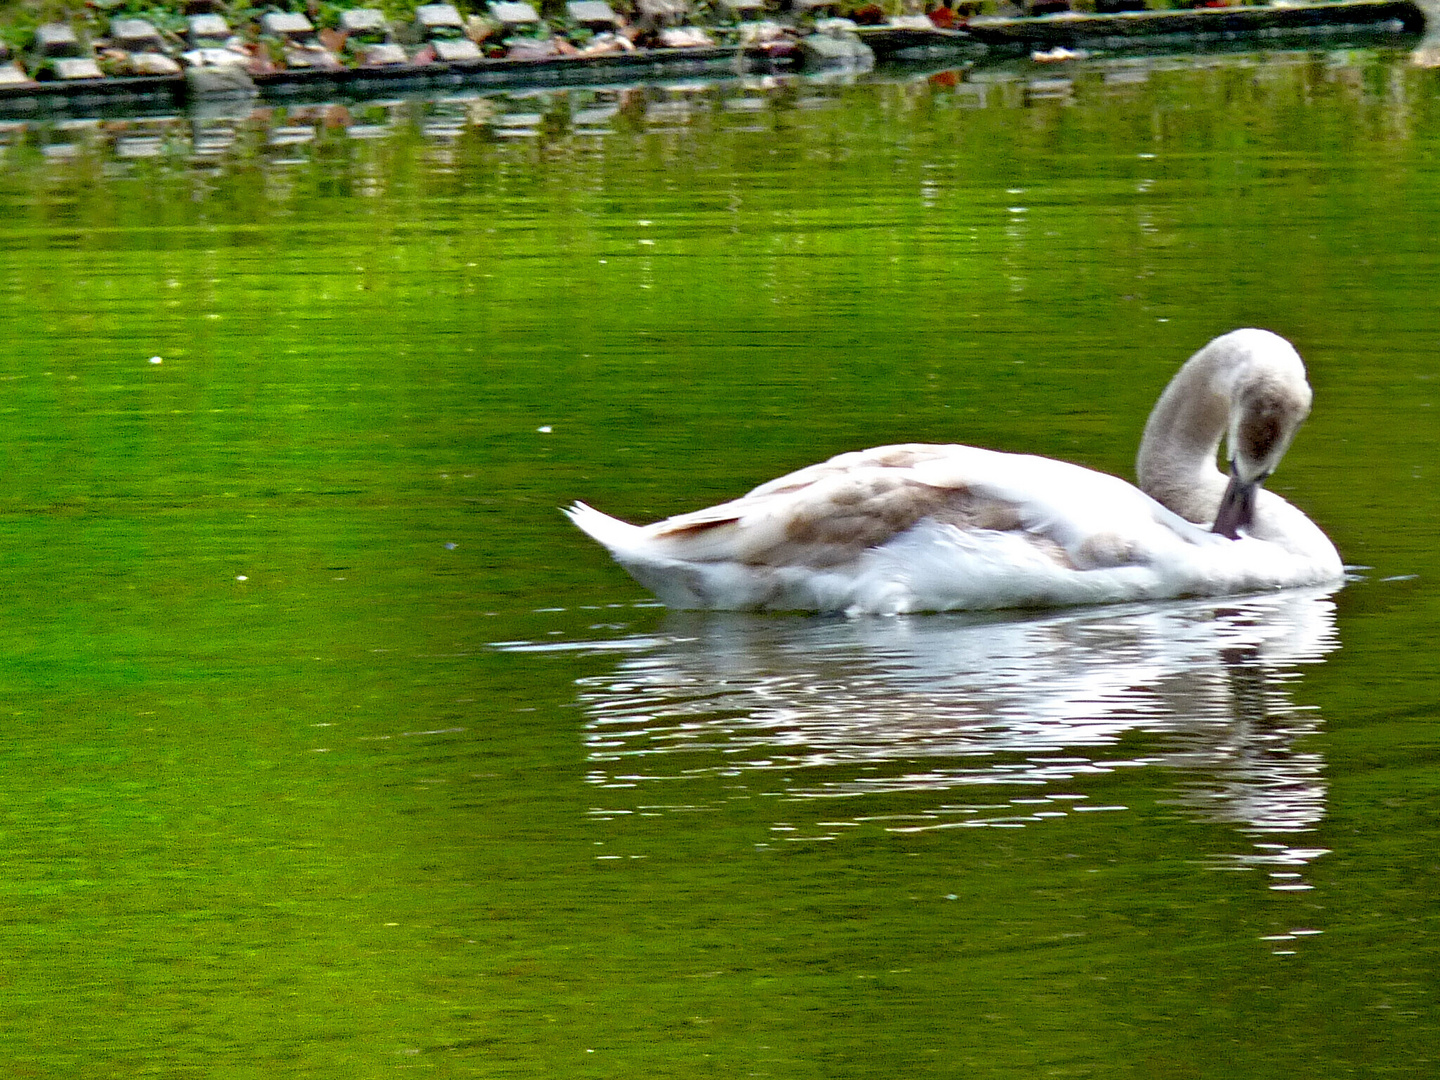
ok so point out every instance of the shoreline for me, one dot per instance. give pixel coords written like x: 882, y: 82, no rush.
x: 982, y: 37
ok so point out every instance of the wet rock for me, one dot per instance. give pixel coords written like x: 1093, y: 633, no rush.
x: 763, y: 31
x: 219, y: 80
x: 833, y: 50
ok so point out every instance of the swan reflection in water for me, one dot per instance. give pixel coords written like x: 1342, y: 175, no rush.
x: 835, y: 709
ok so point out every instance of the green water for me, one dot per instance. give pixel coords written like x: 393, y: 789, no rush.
x: 331, y: 749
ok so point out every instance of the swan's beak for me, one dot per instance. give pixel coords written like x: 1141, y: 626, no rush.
x: 1237, y: 505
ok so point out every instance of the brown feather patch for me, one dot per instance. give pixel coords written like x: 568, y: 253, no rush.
x: 695, y: 528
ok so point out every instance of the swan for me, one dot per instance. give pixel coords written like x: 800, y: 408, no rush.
x: 917, y: 527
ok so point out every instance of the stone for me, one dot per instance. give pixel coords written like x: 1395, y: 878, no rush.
x: 152, y: 63
x: 205, y: 30
x: 136, y: 35
x: 514, y: 13
x: 828, y: 50
x: 197, y: 58
x: 286, y: 24
x: 459, y: 50
x: 432, y: 17
x: 363, y: 21
x: 56, y: 39
x: 219, y: 80
x: 527, y: 48
x: 77, y: 67
x: 661, y: 11
x: 383, y: 55
x: 684, y: 37
x: 595, y: 14
x: 302, y: 57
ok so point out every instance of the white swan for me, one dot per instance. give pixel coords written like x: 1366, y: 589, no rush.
x: 918, y: 527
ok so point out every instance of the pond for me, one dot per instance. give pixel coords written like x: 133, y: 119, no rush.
x: 331, y: 748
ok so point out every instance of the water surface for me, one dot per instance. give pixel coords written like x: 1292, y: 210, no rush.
x: 332, y: 748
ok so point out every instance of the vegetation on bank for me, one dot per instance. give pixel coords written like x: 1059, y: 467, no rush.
x: 18, y: 21
x: 91, y: 19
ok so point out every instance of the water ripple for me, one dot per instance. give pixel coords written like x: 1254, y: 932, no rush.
x: 1017, y: 701
x: 845, y: 713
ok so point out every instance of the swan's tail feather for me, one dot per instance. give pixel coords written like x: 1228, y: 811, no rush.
x: 609, y: 532
x: 674, y: 582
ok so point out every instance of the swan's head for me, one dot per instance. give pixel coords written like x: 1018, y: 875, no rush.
x: 1269, y: 400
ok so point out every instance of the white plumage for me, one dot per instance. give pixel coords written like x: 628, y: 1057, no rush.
x: 919, y: 527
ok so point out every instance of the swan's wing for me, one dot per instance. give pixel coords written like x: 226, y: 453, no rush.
x: 933, y: 528
x: 830, y: 513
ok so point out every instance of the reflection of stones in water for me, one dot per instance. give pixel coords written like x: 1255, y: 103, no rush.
x: 830, y: 709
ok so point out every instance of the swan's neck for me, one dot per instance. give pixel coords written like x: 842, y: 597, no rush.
x: 1176, y: 464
